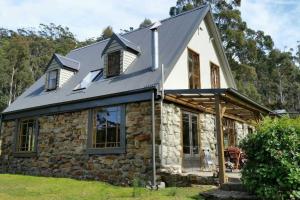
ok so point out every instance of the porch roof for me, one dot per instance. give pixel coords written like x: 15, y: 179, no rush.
x: 234, y: 104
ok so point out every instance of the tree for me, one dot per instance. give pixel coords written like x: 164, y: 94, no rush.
x: 24, y: 55
x: 147, y: 22
x: 106, y: 33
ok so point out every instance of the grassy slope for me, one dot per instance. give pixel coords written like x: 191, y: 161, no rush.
x: 19, y: 187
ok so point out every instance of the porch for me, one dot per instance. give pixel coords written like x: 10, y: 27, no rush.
x: 226, y: 105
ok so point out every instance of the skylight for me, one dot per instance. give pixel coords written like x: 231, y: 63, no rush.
x: 89, y: 78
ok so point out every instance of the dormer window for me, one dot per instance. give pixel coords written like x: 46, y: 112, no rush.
x: 52, y: 79
x: 118, y: 55
x: 59, y: 70
x: 113, y: 63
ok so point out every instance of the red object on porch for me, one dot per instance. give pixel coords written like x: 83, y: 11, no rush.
x: 234, y: 154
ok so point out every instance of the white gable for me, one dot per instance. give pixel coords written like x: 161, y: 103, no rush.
x: 202, y: 44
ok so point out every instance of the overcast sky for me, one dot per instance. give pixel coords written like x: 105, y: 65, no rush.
x: 87, y: 18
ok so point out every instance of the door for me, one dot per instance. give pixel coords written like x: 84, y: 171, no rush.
x: 191, y: 156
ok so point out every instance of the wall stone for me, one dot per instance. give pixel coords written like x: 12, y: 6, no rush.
x: 62, y: 142
x: 208, y: 141
x: 171, y: 147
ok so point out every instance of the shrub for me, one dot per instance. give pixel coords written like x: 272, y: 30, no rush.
x: 273, y: 151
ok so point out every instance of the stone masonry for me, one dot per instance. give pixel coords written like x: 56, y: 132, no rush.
x: 171, y: 140
x: 62, y: 143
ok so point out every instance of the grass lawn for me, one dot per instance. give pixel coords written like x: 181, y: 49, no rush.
x: 19, y: 187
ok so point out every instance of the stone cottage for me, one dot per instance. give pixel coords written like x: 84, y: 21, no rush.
x: 156, y: 100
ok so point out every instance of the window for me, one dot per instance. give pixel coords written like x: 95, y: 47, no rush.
x: 90, y: 77
x: 26, y: 137
x: 107, y: 132
x: 194, y: 70
x: 113, y: 63
x: 229, y: 133
x: 52, y: 79
x: 215, y: 76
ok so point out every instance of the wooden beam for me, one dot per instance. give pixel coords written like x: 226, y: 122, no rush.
x: 220, y: 140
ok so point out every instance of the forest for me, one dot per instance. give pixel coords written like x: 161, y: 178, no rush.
x: 268, y: 75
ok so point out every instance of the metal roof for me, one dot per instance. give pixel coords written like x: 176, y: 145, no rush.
x: 126, y: 44
x: 67, y: 62
x: 174, y: 35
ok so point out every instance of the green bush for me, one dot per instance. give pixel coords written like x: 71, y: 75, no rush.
x: 273, y: 151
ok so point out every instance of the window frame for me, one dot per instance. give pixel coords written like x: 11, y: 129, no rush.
x: 107, y: 65
x: 17, y: 153
x: 192, y: 73
x: 48, y: 79
x: 109, y: 150
x: 97, y: 77
x: 218, y: 81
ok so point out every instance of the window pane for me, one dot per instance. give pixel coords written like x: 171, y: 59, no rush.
x: 194, y: 70
x: 195, y: 135
x: 26, y: 139
x: 186, y: 134
x: 113, y: 63
x: 107, y: 132
x: 52, y: 79
x: 90, y: 77
x: 215, y: 76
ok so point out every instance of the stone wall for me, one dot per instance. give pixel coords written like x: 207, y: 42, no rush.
x: 171, y: 139
x: 208, y: 141
x: 242, y: 131
x: 62, y: 143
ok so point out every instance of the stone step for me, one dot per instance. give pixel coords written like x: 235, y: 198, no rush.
x: 227, y: 195
x: 232, y: 186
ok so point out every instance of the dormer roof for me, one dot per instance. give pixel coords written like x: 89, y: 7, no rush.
x: 125, y: 43
x: 65, y: 62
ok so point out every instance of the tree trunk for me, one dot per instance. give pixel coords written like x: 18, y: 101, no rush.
x: 11, y: 85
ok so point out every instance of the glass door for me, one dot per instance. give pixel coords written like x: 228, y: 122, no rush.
x: 191, y: 159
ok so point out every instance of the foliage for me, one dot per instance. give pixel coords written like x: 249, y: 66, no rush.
x: 24, y: 55
x: 261, y: 72
x: 273, y: 151
x: 147, y: 22
x: 18, y: 187
x: 106, y: 33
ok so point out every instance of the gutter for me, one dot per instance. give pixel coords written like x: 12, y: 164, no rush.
x: 66, y: 103
x: 154, y: 184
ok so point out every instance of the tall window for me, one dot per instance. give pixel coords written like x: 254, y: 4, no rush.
x: 26, y: 136
x: 194, y: 70
x: 113, y: 63
x: 229, y: 133
x: 215, y: 76
x: 52, y: 79
x: 107, y: 123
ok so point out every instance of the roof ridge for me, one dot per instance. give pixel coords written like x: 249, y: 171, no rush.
x: 185, y: 12
x: 138, y: 29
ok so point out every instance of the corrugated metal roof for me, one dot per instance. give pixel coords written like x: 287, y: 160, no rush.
x: 174, y: 34
x: 67, y: 62
x: 126, y: 44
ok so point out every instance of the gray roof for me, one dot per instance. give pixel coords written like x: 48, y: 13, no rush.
x: 123, y: 42
x: 66, y: 62
x: 174, y: 35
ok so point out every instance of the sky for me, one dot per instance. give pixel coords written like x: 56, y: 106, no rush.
x: 87, y: 18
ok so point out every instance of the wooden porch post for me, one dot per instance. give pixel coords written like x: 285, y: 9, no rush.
x: 220, y: 139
